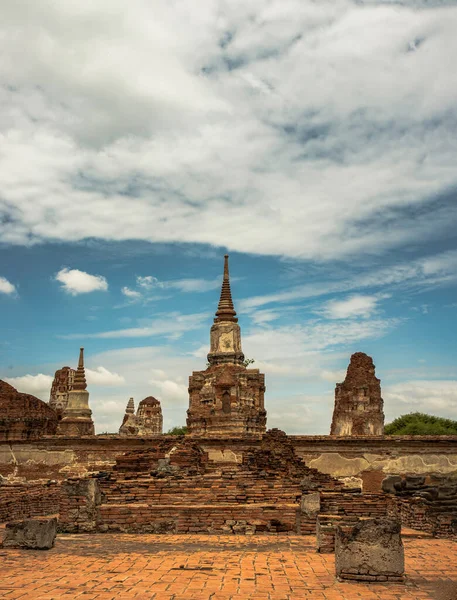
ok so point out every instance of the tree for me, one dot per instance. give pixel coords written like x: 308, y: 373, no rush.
x: 177, y: 430
x: 421, y: 424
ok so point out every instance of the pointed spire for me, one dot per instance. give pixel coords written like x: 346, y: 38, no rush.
x: 80, y: 375
x: 226, y: 310
x: 130, y: 407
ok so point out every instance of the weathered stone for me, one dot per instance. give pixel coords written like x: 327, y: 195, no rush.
x: 227, y: 398
x: 147, y: 420
x: 372, y: 548
x: 358, y: 403
x: 36, y: 534
x: 80, y: 499
x: 61, y: 386
x: 388, y: 484
x: 24, y: 417
x: 311, y: 504
x: 77, y: 416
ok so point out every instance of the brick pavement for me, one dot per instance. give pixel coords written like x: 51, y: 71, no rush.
x: 184, y: 567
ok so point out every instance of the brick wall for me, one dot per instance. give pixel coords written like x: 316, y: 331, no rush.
x: 20, y: 501
x: 422, y: 516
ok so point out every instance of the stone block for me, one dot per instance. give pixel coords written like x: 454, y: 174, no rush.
x: 372, y: 551
x: 388, y: 484
x: 36, y: 534
x: 311, y: 504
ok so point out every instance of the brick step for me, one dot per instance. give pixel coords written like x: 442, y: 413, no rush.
x: 199, y: 518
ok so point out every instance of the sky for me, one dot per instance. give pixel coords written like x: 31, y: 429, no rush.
x: 315, y: 142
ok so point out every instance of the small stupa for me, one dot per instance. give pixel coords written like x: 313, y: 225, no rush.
x: 77, y: 416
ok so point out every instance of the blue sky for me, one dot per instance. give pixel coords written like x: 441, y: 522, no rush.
x: 313, y: 142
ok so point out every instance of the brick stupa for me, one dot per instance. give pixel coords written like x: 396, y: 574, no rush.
x: 61, y: 386
x: 77, y: 416
x: 358, y: 403
x: 148, y: 419
x: 226, y: 399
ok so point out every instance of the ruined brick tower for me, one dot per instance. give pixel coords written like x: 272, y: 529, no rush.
x: 148, y: 419
x: 358, y: 402
x: 62, y: 384
x: 227, y: 398
x: 77, y: 416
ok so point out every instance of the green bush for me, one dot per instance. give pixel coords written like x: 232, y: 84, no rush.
x: 177, y: 431
x: 421, y: 424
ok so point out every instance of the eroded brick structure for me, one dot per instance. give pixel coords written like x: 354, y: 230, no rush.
x: 173, y: 487
x: 425, y: 503
x: 24, y: 417
x: 148, y: 419
x: 358, y: 403
x: 62, y: 384
x: 77, y: 416
x: 227, y: 398
x: 370, y: 551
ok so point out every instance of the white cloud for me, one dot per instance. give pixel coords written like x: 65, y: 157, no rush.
x: 77, y: 282
x: 6, y: 287
x: 172, y: 325
x: 422, y: 273
x: 436, y: 397
x: 132, y: 294
x: 169, y: 390
x: 353, y: 306
x: 286, y: 342
x: 183, y: 285
x: 179, y: 122
x: 36, y: 385
x: 101, y: 376
x: 333, y: 376
x: 148, y: 282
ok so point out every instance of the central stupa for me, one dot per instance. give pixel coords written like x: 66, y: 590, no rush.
x: 226, y: 399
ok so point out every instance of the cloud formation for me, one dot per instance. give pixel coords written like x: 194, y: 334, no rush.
x: 436, y: 397
x: 149, y: 288
x: 6, y: 287
x: 353, y: 306
x: 171, y: 325
x: 101, y: 376
x: 76, y: 282
x: 36, y: 385
x: 331, y: 122
x: 420, y: 274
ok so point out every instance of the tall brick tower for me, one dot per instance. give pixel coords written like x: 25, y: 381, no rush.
x: 358, y: 403
x: 77, y: 416
x: 226, y: 399
x: 62, y: 384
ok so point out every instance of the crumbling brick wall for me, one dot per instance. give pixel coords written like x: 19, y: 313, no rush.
x: 173, y: 487
x: 21, y: 501
x: 429, y: 507
x: 24, y: 417
x: 358, y: 404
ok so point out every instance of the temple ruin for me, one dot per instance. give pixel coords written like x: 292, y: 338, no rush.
x: 358, y: 403
x: 226, y: 398
x: 61, y: 386
x: 148, y: 419
x: 24, y: 417
x: 352, y: 490
x: 77, y: 417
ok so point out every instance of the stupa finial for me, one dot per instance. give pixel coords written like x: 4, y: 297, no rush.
x: 80, y: 375
x: 226, y: 310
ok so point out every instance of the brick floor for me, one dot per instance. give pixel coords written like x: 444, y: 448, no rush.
x: 178, y: 567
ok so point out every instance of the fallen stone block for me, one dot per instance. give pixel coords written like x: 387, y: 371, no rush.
x: 310, y: 504
x: 372, y: 551
x: 36, y: 534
